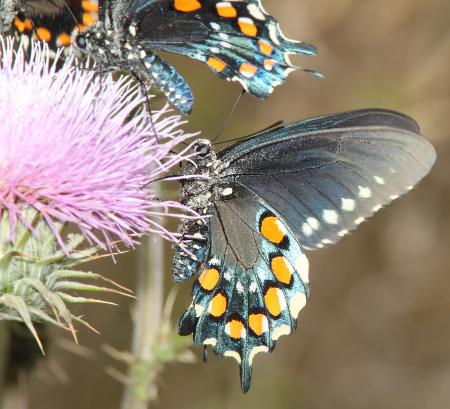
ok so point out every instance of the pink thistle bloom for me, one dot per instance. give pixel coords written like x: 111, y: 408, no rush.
x: 80, y: 149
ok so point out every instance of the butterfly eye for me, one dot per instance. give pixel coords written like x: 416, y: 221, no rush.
x: 202, y: 149
x: 81, y: 41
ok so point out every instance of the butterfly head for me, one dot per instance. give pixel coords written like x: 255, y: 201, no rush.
x: 205, y: 158
x: 99, y: 43
x: 202, y: 147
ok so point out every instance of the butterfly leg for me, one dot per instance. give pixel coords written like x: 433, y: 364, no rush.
x: 172, y: 84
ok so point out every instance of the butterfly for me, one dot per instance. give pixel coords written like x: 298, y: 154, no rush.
x: 237, y: 40
x: 269, y: 198
x: 54, y: 21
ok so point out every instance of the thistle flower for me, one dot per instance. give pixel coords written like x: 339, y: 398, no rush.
x: 72, y: 148
x: 75, y: 148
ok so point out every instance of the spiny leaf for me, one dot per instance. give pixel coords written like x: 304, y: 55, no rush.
x: 19, y: 305
x: 83, y: 300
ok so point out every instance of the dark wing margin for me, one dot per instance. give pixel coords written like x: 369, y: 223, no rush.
x: 326, y: 175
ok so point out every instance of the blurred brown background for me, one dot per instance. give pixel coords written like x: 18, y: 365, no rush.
x: 376, y: 330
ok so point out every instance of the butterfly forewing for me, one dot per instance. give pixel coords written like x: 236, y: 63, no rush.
x: 326, y: 176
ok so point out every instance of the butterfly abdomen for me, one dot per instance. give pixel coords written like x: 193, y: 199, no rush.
x: 191, y: 251
x: 171, y: 84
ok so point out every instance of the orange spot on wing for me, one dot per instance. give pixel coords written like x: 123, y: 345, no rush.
x: 20, y: 25
x: 269, y: 64
x: 89, y: 19
x: 235, y: 329
x: 265, y: 47
x: 43, y: 34
x: 216, y: 64
x: 248, y: 27
x: 225, y: 9
x: 271, y: 229
x: 89, y: 6
x: 248, y: 70
x: 257, y: 323
x: 28, y: 25
x: 282, y: 269
x: 23, y: 25
x: 187, y: 5
x: 63, y: 40
x: 209, y: 279
x: 218, y: 305
x: 272, y: 301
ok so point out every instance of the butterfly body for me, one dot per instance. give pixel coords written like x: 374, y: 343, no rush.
x: 238, y: 41
x: 265, y: 200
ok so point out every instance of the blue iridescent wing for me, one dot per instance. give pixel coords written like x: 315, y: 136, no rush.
x: 253, y: 284
x: 327, y: 175
x: 238, y: 40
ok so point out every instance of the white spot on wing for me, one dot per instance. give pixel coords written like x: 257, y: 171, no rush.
x: 364, y: 192
x: 245, y: 20
x: 379, y: 180
x: 330, y: 216
x: 210, y: 341
x: 281, y: 330
x: 302, y: 267
x: 255, y: 12
x: 313, y: 222
x: 256, y: 350
x: 253, y: 287
x: 227, y: 191
x: 359, y: 220
x: 307, y: 229
x: 233, y: 354
x: 348, y: 205
x: 273, y: 34
x: 296, y: 304
x: 199, y: 309
x: 215, y: 26
x: 239, y: 287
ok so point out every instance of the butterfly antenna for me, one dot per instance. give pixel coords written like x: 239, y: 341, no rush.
x: 275, y: 125
x: 227, y: 121
x: 66, y: 5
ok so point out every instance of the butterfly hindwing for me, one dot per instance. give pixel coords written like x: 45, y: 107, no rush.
x: 327, y: 175
x: 253, y: 284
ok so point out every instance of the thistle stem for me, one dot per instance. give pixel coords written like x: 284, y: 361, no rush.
x: 16, y: 395
x: 4, y: 353
x: 149, y: 305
